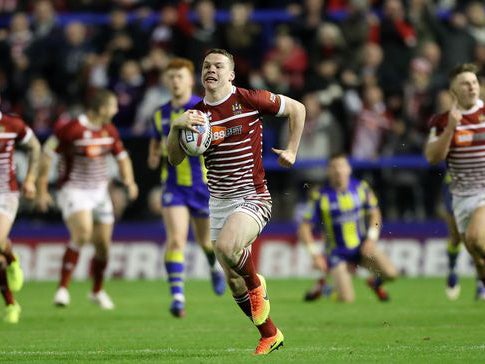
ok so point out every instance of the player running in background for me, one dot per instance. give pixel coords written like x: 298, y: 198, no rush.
x: 13, y: 132
x: 185, y: 196
x: 347, y: 208
x: 83, y: 145
x: 457, y: 137
x: 452, y: 289
x: 240, y: 203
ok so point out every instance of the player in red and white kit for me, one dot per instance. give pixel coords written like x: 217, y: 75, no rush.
x: 458, y: 136
x: 240, y: 203
x: 83, y: 145
x: 13, y: 132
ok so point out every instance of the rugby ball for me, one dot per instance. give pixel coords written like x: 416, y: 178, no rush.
x: 194, y: 144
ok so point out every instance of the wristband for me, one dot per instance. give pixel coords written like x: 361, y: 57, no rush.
x: 314, y: 249
x: 373, y: 233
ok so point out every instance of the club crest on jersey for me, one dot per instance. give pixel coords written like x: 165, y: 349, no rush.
x: 2, y: 128
x: 87, y: 134
x: 237, y: 108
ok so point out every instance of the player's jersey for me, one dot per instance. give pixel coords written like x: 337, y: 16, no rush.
x: 466, y: 157
x: 235, y: 158
x: 12, y: 131
x: 83, y: 148
x: 343, y: 214
x: 191, y: 172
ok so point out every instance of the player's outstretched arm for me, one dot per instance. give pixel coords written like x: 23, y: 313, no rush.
x: 295, y: 111
x: 33, y: 152
x: 305, y: 235
x: 187, y: 120
x: 127, y: 176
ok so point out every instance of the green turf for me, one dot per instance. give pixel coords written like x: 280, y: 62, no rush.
x: 418, y: 326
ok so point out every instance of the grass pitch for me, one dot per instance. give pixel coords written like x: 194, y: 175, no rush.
x: 418, y: 326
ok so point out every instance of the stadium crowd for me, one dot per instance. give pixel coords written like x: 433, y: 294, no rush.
x: 370, y: 73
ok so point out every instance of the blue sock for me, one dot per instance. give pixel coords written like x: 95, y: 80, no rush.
x: 174, y: 264
x: 452, y: 251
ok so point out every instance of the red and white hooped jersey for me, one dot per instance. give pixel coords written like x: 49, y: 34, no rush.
x: 466, y: 157
x: 82, y: 148
x: 235, y: 158
x: 12, y: 131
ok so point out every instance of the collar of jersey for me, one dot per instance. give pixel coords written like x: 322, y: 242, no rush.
x: 233, y: 90
x: 474, y: 108
x: 84, y: 121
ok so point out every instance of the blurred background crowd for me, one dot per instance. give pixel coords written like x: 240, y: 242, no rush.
x: 370, y: 74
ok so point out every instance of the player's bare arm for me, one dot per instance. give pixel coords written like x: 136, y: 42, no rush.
x: 305, y: 235
x: 126, y: 172
x: 154, y: 153
x: 43, y: 199
x: 295, y: 111
x: 373, y: 231
x: 437, y: 148
x: 187, y: 120
x: 33, y: 152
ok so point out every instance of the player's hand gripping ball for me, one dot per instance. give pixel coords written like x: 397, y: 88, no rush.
x: 193, y: 143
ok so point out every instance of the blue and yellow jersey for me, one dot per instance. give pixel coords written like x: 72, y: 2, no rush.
x: 192, y: 171
x: 342, y: 214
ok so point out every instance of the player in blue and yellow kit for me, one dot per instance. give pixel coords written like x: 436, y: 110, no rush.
x: 347, y: 208
x: 185, y: 196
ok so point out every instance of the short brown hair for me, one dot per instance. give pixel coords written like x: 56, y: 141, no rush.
x: 178, y: 63
x: 462, y: 68
x: 223, y: 52
x: 99, y: 99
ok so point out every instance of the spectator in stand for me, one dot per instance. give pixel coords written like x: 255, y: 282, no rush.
x: 40, y: 106
x: 119, y: 41
x: 153, y: 97
x: 431, y: 52
x: 419, y: 97
x: 129, y: 92
x: 355, y: 29
x: 9, y: 6
x: 73, y: 60
x: 271, y: 77
x: 321, y: 138
x: 291, y: 57
x: 419, y: 12
x: 172, y: 30
x: 153, y: 65
x: 325, y: 82
x: 242, y: 37
x: 475, y: 13
x: 15, y: 49
x: 306, y: 24
x: 456, y: 43
x: 205, y: 33
x: 329, y: 43
x: 371, y: 125
x: 397, y: 38
x: 47, y: 34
